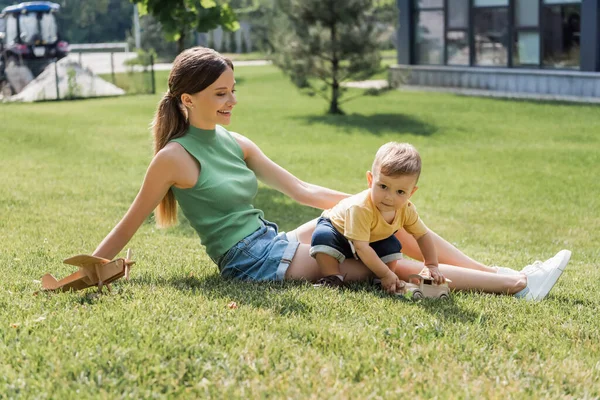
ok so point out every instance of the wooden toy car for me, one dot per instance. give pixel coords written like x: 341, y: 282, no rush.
x: 93, y: 271
x: 426, y: 288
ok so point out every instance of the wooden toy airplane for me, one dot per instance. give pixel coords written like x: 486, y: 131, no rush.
x: 93, y: 271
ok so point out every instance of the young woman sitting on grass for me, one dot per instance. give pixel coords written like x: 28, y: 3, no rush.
x: 212, y: 173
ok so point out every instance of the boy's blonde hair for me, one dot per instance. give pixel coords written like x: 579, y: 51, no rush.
x: 395, y: 158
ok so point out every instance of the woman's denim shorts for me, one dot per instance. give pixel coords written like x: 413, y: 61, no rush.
x: 264, y: 255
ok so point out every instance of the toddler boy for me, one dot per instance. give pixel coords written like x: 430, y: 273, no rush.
x: 363, y: 225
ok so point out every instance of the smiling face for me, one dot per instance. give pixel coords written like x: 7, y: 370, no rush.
x: 390, y: 193
x: 212, y: 105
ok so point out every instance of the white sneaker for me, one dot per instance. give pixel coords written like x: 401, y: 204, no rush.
x: 506, y: 271
x: 555, y: 267
x: 532, y: 267
x: 541, y: 277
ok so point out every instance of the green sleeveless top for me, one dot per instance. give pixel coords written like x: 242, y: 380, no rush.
x: 219, y: 206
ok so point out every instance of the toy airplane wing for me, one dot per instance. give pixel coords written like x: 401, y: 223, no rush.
x: 84, y: 260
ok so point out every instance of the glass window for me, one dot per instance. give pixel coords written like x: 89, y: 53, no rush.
x: 458, y: 14
x: 561, y: 1
x: 430, y: 4
x: 29, y: 27
x: 490, y: 3
x: 527, y: 48
x: 458, y: 48
x: 11, y: 30
x: 561, y: 36
x: 491, y: 36
x: 430, y: 37
x: 48, y: 25
x: 527, y: 13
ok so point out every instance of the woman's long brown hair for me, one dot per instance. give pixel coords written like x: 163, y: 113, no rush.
x: 193, y: 71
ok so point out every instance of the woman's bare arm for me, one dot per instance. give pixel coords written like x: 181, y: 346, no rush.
x: 282, y: 180
x: 160, y: 176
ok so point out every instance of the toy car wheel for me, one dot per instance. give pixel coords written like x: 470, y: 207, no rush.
x: 444, y: 296
x: 417, y: 295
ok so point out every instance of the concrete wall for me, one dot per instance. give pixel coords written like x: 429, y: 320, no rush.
x: 526, y: 81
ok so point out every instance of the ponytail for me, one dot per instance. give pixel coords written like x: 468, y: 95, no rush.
x: 169, y: 123
x: 193, y: 71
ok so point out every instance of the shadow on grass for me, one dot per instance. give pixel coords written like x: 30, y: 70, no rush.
x: 446, y: 309
x: 282, y: 297
x: 279, y: 297
x: 376, y: 124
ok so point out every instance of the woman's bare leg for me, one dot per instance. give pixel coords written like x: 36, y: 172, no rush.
x: 305, y: 267
x: 471, y: 275
x: 304, y: 232
x: 447, y: 253
x: 467, y: 279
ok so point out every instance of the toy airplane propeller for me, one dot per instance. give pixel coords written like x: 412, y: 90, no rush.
x: 93, y: 271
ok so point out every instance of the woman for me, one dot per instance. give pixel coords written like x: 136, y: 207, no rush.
x: 211, y: 173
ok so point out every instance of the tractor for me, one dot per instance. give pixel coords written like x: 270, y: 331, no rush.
x: 29, y: 41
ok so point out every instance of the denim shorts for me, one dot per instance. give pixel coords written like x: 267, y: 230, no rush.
x: 264, y: 255
x: 326, y: 239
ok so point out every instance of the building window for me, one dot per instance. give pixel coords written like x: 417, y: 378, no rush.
x: 497, y: 33
x: 430, y: 37
x: 527, y: 49
x: 457, y: 43
x: 527, y: 13
x: 561, y: 34
x: 458, y: 14
x: 491, y: 33
x: 430, y: 4
x: 490, y: 3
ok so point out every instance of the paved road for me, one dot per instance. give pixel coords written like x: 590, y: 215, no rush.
x: 100, y: 63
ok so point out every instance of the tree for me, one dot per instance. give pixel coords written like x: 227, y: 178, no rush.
x: 322, y: 43
x: 179, y: 17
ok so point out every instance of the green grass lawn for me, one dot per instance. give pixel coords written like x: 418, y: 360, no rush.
x: 506, y: 181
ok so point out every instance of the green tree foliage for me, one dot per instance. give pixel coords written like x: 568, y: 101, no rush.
x: 179, y: 17
x: 322, y: 43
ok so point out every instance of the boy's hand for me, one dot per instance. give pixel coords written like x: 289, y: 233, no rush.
x: 434, y: 273
x: 392, y: 284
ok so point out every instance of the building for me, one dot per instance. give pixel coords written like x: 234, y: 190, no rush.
x: 546, y: 47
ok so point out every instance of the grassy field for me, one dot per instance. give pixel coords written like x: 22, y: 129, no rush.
x: 507, y: 182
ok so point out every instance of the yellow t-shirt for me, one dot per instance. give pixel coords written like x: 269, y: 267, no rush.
x: 357, y: 218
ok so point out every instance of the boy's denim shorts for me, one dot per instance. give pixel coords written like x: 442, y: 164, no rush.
x: 326, y: 239
x: 264, y: 255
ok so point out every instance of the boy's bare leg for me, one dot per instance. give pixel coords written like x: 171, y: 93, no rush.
x: 327, y: 264
x: 447, y: 253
